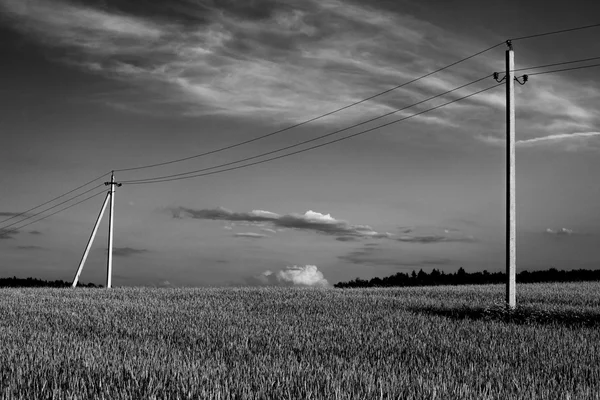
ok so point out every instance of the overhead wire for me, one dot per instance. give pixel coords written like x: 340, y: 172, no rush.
x: 54, y: 199
x: 224, y: 148
x: 315, y: 138
x: 49, y: 215
x: 557, y: 64
x: 311, y: 119
x: 578, y: 28
x: 191, y: 174
x: 50, y: 208
x: 564, y: 69
x: 168, y: 177
x: 318, y: 145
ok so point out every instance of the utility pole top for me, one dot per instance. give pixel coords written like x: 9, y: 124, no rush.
x: 509, y: 44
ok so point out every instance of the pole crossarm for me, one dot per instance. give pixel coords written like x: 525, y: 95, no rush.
x: 113, y: 183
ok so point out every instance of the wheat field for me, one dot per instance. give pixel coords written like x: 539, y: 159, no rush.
x: 452, y: 342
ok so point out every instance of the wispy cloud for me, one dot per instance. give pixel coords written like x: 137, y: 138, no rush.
x: 8, y: 214
x: 565, y: 141
x: 128, y: 251
x: 8, y: 234
x: 435, y: 239
x: 29, y: 247
x: 309, y: 221
x: 251, y: 235
x: 289, y: 60
x: 433, y: 234
x: 376, y: 257
x: 346, y: 239
x: 564, y: 232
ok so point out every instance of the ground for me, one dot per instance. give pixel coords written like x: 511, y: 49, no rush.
x: 291, y: 343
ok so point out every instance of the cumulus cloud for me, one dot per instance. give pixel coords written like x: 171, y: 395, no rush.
x: 250, y: 235
x: 309, y: 221
x: 308, y: 275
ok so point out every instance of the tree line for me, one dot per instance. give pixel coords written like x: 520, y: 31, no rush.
x: 15, y: 282
x: 461, y: 277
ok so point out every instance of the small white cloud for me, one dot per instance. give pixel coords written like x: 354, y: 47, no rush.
x: 318, y: 217
x: 308, y: 275
x: 560, y: 232
x: 268, y: 230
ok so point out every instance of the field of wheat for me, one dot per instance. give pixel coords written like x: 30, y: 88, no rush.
x: 293, y: 343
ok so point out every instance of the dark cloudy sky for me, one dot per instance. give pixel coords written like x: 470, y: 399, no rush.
x: 91, y: 86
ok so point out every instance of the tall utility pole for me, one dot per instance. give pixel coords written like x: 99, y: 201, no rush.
x: 511, y: 209
x: 111, y: 216
x: 110, y: 197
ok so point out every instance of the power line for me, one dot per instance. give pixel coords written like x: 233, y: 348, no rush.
x: 349, y: 105
x: 313, y: 139
x: 162, y: 178
x: 319, y: 145
x: 556, y: 32
x: 311, y: 119
x: 54, y: 213
x: 564, y: 69
x: 50, y: 208
x: 556, y: 64
x: 56, y: 198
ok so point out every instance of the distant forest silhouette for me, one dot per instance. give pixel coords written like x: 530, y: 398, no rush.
x: 15, y: 282
x: 461, y: 277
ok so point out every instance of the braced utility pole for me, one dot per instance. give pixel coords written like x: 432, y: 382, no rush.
x: 110, y: 198
x: 511, y: 210
x: 90, y: 241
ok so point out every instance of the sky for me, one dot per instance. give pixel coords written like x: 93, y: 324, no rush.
x: 100, y: 85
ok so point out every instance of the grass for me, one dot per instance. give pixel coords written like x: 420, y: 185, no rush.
x: 287, y: 343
